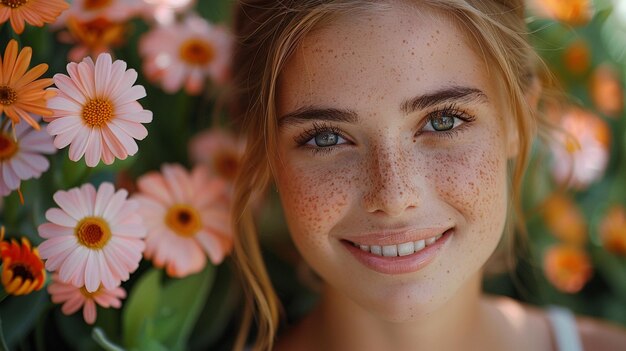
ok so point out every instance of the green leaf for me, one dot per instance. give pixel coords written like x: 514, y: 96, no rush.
x: 217, y: 312
x: 141, y: 306
x: 3, y: 344
x: 165, y: 313
x: 181, y: 304
x: 100, y: 337
x: 20, y: 314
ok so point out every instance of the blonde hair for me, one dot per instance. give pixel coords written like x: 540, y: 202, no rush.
x: 268, y: 32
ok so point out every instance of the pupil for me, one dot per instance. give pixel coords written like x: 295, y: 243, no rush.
x: 442, y: 123
x: 326, y: 139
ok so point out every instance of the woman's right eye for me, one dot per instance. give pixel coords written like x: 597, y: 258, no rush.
x: 325, y: 139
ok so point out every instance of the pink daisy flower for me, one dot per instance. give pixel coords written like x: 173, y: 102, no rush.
x: 23, y: 158
x: 96, y: 111
x: 187, y: 218
x: 184, y: 55
x: 113, y: 10
x: 74, y: 298
x: 95, y: 237
x: 582, y: 155
x: 219, y: 150
x: 164, y: 11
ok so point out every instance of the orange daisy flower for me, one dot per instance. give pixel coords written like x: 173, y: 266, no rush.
x: 613, y: 230
x: 22, y: 269
x: 565, y: 220
x: 93, y: 37
x: 567, y: 268
x: 20, y: 90
x: 34, y: 12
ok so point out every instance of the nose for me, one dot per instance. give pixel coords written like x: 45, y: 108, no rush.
x: 391, y: 187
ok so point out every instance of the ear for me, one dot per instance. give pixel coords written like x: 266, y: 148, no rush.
x: 532, y: 96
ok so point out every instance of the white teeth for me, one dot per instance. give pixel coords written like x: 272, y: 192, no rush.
x: 376, y: 250
x: 390, y: 250
x: 406, y: 249
x: 419, y: 245
x: 403, y: 249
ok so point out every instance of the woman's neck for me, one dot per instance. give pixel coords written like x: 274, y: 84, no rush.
x: 340, y: 324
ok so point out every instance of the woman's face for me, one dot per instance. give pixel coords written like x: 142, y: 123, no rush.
x: 392, y: 136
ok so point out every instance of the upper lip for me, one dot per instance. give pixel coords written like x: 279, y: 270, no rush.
x: 396, y: 236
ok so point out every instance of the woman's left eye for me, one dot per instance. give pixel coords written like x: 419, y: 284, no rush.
x: 446, y: 120
x: 442, y: 123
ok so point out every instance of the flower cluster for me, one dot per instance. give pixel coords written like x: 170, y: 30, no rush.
x: 96, y: 237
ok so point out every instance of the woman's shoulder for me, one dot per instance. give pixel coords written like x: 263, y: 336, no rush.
x: 593, y: 334
x: 601, y: 335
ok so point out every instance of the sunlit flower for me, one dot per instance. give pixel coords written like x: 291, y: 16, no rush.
x: 96, y: 111
x: 613, y: 230
x: 94, y: 237
x: 607, y: 91
x: 74, y: 298
x: 574, y: 12
x: 22, y: 268
x: 219, y: 150
x: 113, y: 10
x: 164, y: 11
x: 564, y: 219
x: 184, y: 55
x: 23, y: 158
x: 20, y: 90
x: 33, y: 12
x: 187, y: 219
x: 577, y: 57
x: 93, y: 37
x: 568, y: 268
x: 581, y: 154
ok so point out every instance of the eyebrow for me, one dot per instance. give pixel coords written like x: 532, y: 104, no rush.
x: 445, y: 95
x: 420, y: 102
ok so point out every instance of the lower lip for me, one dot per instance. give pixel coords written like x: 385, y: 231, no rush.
x: 399, y: 264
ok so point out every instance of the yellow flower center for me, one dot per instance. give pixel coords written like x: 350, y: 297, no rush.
x: 93, y: 232
x: 97, y: 112
x: 226, y: 164
x: 90, y: 295
x: 13, y: 3
x: 7, y: 95
x: 184, y: 220
x: 96, y: 4
x: 197, y: 52
x: 8, y: 147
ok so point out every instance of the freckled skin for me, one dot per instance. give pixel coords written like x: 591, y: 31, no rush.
x: 387, y: 174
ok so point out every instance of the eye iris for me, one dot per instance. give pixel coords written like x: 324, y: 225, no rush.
x: 326, y: 139
x: 442, y: 123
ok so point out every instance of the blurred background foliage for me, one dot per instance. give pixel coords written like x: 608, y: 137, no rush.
x: 574, y: 197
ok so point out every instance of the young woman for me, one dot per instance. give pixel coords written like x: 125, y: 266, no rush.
x: 396, y: 133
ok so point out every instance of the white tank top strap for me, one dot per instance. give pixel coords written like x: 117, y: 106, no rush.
x: 564, y: 329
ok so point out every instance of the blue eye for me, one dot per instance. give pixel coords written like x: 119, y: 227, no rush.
x: 442, y: 123
x: 446, y: 120
x: 321, y: 136
x: 325, y: 139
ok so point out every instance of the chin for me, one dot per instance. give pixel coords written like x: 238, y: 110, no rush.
x: 408, y: 302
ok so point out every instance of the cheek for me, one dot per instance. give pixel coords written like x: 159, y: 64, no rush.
x: 313, y: 200
x: 472, y: 179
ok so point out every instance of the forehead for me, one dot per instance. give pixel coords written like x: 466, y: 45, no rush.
x: 380, y: 57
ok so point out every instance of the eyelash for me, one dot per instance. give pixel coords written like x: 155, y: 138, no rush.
x: 322, y: 127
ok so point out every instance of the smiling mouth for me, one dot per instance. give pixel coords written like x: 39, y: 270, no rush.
x: 403, y: 249
x: 399, y: 250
